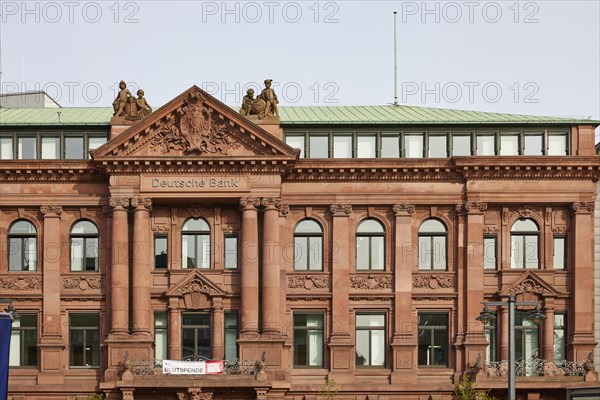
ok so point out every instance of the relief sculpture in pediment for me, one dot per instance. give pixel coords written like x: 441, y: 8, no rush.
x: 193, y: 130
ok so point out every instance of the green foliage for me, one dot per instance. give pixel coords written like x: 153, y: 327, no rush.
x: 329, y: 391
x: 465, y: 390
x: 95, y: 396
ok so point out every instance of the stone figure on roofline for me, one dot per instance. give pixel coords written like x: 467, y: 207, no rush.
x: 264, y: 107
x: 128, y: 107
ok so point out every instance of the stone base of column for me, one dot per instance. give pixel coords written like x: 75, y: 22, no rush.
x: 253, y: 349
x: 474, y: 348
x: 51, y: 369
x: 404, y: 359
x: 341, y: 358
x: 119, y: 349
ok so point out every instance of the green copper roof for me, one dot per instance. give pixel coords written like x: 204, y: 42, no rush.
x: 299, y: 115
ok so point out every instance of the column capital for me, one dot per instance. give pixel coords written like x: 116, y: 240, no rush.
x: 270, y: 202
x: 340, y: 210
x: 582, y: 207
x: 249, y: 203
x: 141, y: 203
x: 51, y: 211
x: 403, y: 209
x: 471, y: 207
x: 119, y: 203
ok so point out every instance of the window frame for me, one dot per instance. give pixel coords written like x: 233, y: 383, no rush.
x: 564, y: 329
x: 196, y: 234
x: 85, y: 330
x: 196, y: 328
x: 163, y: 330
x: 433, y: 328
x: 229, y: 329
x: 161, y: 236
x: 308, y: 236
x: 225, y: 251
x: 21, y: 332
x: 370, y: 236
x: 85, y: 237
x: 370, y: 329
x: 495, y: 239
x: 492, y: 329
x: 22, y: 237
x: 308, y: 329
x: 432, y: 235
x: 565, y: 250
x: 525, y: 234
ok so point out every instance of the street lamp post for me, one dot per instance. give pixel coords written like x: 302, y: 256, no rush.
x: 486, y: 316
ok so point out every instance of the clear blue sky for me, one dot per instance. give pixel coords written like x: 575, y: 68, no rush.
x: 528, y: 57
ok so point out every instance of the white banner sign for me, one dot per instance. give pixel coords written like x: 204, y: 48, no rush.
x: 191, y: 367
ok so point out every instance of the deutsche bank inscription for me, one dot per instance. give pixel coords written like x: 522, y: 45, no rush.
x: 193, y: 184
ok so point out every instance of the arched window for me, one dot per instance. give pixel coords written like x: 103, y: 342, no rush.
x: 524, y: 244
x: 195, y: 244
x: 433, y: 237
x: 84, y: 246
x: 22, y: 246
x: 308, y: 246
x: 370, y: 245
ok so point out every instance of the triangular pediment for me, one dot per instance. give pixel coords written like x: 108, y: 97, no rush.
x: 193, y: 125
x: 529, y: 283
x: 196, y: 282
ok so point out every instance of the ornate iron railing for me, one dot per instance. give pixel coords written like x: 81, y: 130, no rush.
x: 538, y: 367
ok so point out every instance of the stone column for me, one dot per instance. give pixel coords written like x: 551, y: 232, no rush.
x: 218, y: 329
x: 270, y: 268
x: 120, y: 268
x: 548, y: 332
x: 581, y: 247
x: 174, y: 331
x: 51, y: 341
x: 475, y: 342
x: 142, y: 312
x: 340, y: 341
x: 249, y: 266
x: 404, y: 339
x: 503, y: 333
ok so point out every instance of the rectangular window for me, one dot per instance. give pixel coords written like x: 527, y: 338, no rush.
x: 390, y: 146
x: 231, y: 252
x: 509, y: 144
x: 50, y: 148
x: 297, y: 142
x: 22, y: 253
x: 486, y: 145
x: 432, y: 252
x: 307, y: 252
x: 560, y: 335
x: 413, y: 145
x: 84, y: 340
x: 461, y: 145
x: 370, y: 340
x: 6, y: 148
x: 534, y: 144
x: 27, y: 147
x: 560, y: 255
x: 433, y: 339
x: 84, y: 254
x: 319, y: 146
x: 342, y: 146
x: 366, y: 146
x: 24, y: 341
x: 195, y: 335
x: 524, y: 251
x: 94, y: 142
x: 557, y: 144
x: 161, y: 251
x: 490, y: 253
x: 74, y: 147
x: 308, y: 340
x: 160, y: 336
x: 231, y: 335
x: 491, y: 332
x: 438, y: 146
x: 526, y: 342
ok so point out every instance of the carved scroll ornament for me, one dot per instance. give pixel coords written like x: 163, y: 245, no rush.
x: 433, y: 281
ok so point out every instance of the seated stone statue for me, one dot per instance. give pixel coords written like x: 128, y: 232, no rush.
x: 247, y: 102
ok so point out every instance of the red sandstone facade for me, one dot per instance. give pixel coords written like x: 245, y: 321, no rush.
x: 143, y: 184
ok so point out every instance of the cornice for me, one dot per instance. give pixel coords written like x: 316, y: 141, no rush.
x: 50, y: 171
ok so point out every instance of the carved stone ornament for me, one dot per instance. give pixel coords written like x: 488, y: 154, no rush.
x: 284, y: 210
x: 433, y: 281
x: 527, y: 212
x: 122, y: 202
x: 127, y: 394
x: 141, y: 202
x: 128, y: 107
x: 490, y: 229
x: 264, y: 106
x: 249, y: 202
x: 560, y: 229
x: 403, y: 208
x: 582, y: 207
x: 308, y: 282
x: 529, y: 286
x: 20, y: 282
x: 270, y: 201
x: 51, y: 210
x: 371, y: 282
x: 197, y: 211
x: 469, y: 206
x: 197, y: 394
x: 196, y: 286
x: 83, y: 282
x: 340, y: 209
x: 193, y: 130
